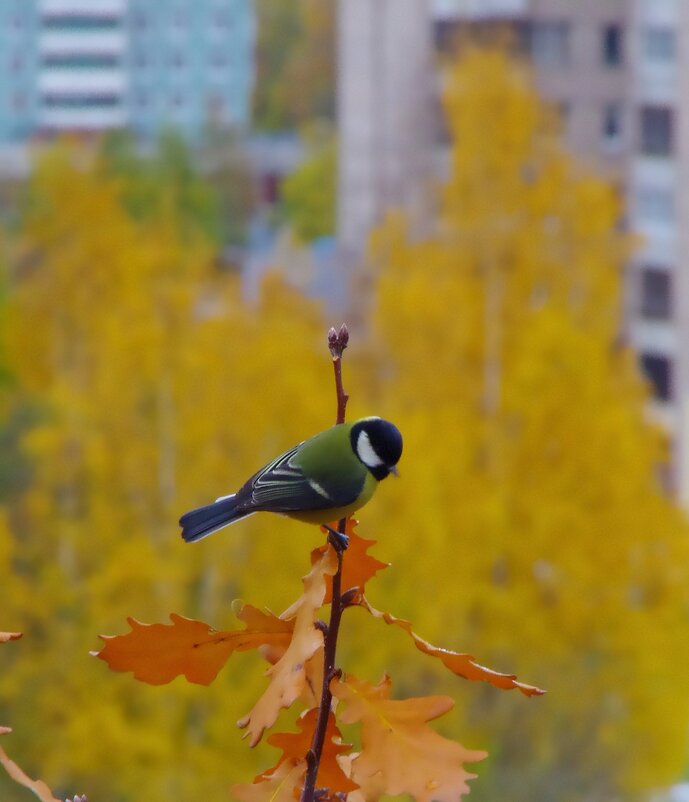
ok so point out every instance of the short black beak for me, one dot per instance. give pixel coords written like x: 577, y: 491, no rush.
x: 394, y: 471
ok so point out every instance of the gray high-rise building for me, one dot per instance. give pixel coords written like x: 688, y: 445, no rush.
x: 619, y: 72
x: 385, y: 82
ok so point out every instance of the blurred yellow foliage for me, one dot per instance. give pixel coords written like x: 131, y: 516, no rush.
x: 159, y: 389
x: 527, y: 529
x: 530, y: 529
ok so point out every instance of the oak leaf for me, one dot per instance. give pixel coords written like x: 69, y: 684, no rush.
x: 288, y: 674
x: 277, y: 786
x: 400, y: 753
x: 5, y: 637
x: 295, y: 745
x: 357, y: 565
x: 157, y: 653
x: 37, y: 787
x: 463, y: 665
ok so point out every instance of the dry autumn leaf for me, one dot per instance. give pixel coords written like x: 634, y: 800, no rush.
x: 5, y: 637
x: 278, y: 786
x: 400, y: 753
x: 157, y: 653
x: 295, y: 745
x: 288, y: 674
x: 37, y: 787
x: 357, y: 565
x: 463, y: 665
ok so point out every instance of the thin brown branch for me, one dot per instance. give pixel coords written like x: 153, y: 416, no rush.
x: 337, y: 342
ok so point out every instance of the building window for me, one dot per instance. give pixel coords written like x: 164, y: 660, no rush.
x: 81, y: 101
x: 655, y: 205
x: 80, y: 22
x: 177, y: 60
x: 87, y: 61
x: 659, y: 44
x: 656, y: 293
x: 657, y: 131
x: 549, y: 44
x: 612, y: 126
x: 612, y: 45
x: 658, y: 370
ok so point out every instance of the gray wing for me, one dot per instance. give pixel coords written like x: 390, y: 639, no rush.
x: 282, y: 486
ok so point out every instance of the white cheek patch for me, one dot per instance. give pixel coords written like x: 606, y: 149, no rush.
x: 366, y: 452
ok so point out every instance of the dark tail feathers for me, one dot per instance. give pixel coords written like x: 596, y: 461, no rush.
x: 203, y: 521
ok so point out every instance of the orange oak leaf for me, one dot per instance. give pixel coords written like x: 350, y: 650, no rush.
x: 38, y: 787
x: 463, y: 665
x: 313, y: 673
x: 157, y: 653
x: 400, y: 753
x: 288, y: 674
x: 5, y: 637
x: 277, y: 786
x: 295, y: 745
x: 313, y: 669
x: 357, y: 565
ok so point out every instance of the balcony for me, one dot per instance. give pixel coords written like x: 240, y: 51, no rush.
x: 81, y: 82
x: 92, y: 8
x: 83, y: 119
x: 53, y: 43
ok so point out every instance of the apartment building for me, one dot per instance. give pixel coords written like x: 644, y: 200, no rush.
x: 92, y: 65
x: 615, y: 69
x: 619, y: 72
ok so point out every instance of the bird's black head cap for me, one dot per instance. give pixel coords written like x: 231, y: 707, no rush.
x: 378, y: 444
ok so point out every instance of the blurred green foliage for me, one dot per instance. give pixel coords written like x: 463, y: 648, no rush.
x: 295, y: 63
x: 308, y: 194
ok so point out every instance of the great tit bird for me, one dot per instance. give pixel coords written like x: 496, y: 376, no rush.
x: 323, y: 479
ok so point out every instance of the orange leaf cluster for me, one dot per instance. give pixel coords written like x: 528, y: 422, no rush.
x: 295, y: 745
x: 288, y: 674
x: 359, y: 566
x: 400, y: 754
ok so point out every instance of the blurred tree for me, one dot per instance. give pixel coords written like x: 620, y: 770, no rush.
x: 225, y: 166
x: 295, y: 62
x: 164, y: 178
x: 14, y: 469
x: 156, y: 386
x: 532, y: 528
x: 308, y: 194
